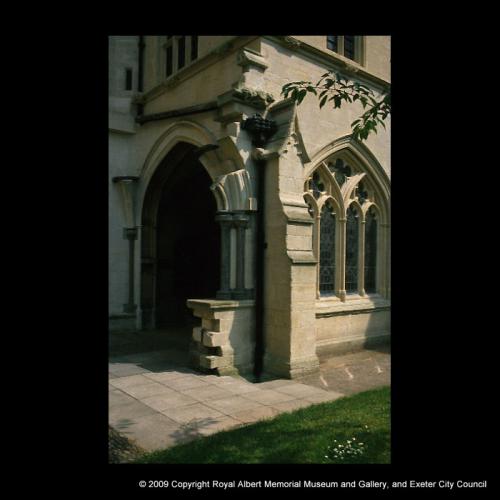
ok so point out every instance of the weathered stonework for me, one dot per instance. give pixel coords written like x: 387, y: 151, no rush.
x: 203, y: 107
x: 225, y: 342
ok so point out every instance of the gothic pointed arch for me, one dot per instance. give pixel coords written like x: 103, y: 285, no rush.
x: 346, y: 172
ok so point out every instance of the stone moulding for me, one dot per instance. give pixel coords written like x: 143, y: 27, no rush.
x: 255, y: 98
x: 284, y: 113
x: 248, y: 58
x: 291, y: 42
x: 237, y: 103
x: 344, y: 312
x: 233, y: 192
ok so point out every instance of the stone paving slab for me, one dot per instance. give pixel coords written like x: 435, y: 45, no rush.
x: 255, y: 414
x: 292, y: 405
x: 273, y: 384
x: 322, y: 398
x: 207, y: 393
x: 154, y: 431
x: 188, y: 382
x: 126, y: 369
x: 130, y: 381
x: 217, y: 425
x: 267, y: 396
x: 167, y: 376
x: 117, y: 397
x: 299, y: 390
x: 238, y: 387
x: 159, y: 403
x: 233, y: 404
x: 164, y: 401
x: 189, y: 413
x: 144, y: 391
x: 123, y: 415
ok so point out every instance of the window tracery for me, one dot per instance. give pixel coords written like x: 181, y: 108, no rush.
x: 348, y: 207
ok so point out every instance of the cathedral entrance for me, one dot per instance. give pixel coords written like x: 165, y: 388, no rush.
x: 180, y: 244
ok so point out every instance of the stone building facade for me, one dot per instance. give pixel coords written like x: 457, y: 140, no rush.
x: 260, y: 225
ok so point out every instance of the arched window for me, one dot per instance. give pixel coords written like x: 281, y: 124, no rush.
x: 350, y: 205
x: 327, y: 251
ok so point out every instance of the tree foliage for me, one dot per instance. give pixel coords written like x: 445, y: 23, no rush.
x: 336, y: 89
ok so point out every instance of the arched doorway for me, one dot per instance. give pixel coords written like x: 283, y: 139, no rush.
x: 180, y: 243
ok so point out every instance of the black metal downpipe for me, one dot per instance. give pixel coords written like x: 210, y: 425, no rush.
x: 261, y: 129
x: 259, y: 289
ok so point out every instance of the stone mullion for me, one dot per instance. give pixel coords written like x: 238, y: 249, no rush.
x: 341, y: 259
x: 316, y: 249
x: 361, y: 258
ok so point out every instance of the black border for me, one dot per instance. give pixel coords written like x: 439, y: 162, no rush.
x: 442, y: 418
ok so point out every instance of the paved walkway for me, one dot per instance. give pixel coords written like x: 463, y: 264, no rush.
x: 157, y: 402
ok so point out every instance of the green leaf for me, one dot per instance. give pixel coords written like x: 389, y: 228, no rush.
x: 301, y: 95
x: 323, y: 101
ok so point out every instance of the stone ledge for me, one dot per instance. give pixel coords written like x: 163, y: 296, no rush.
x: 219, y: 305
x: 362, y: 305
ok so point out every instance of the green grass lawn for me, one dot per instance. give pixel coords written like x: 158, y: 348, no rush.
x: 303, y: 436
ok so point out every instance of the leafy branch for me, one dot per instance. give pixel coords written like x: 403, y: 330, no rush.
x: 335, y: 88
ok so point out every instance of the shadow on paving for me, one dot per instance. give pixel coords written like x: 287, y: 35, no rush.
x: 156, y: 351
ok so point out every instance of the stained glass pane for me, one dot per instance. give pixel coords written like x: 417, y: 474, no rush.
x: 332, y: 43
x: 371, y: 252
x: 194, y: 47
x: 361, y: 193
x: 351, y: 261
x: 327, y: 251
x: 181, y: 52
x: 349, y: 50
x: 340, y: 171
x: 317, y: 185
x: 168, y: 62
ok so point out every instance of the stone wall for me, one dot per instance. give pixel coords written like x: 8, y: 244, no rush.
x: 349, y: 330
x: 225, y: 341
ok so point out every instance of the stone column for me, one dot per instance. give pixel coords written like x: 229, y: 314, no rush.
x: 240, y: 221
x: 131, y: 235
x: 127, y: 184
x: 225, y: 220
